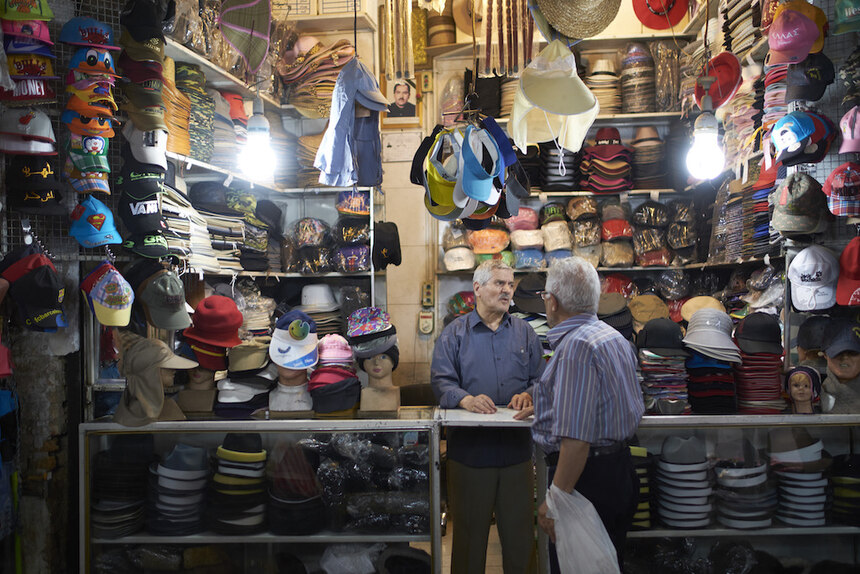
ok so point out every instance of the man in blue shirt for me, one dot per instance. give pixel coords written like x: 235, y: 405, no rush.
x: 483, y: 360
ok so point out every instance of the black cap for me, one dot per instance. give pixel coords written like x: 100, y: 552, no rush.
x: 846, y: 337
x: 152, y: 245
x: 386, y: 245
x: 663, y: 337
x: 139, y: 181
x: 32, y: 173
x: 526, y: 296
x: 807, y: 80
x: 552, y: 211
x: 144, y: 18
x: 211, y: 196
x: 140, y: 270
x: 141, y: 215
x: 759, y: 333
x: 813, y: 333
x: 270, y: 214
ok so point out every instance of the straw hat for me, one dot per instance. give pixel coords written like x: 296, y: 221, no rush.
x: 579, y: 18
x: 463, y: 16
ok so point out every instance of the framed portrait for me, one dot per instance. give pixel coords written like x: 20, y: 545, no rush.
x: 404, y: 109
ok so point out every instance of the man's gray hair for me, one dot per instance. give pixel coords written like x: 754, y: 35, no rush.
x: 484, y: 272
x: 575, y: 284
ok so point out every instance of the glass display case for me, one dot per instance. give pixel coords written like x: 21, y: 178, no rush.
x: 254, y: 496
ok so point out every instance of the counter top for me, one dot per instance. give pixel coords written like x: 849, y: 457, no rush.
x: 503, y: 417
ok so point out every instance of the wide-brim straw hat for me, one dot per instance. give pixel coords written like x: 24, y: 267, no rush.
x: 579, y: 18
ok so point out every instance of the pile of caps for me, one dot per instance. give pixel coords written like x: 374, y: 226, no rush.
x: 605, y: 165
x: 27, y: 44
x: 470, y: 173
x: 32, y: 185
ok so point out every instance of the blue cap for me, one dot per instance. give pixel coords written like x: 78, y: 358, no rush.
x: 791, y: 130
x: 93, y: 61
x: 846, y: 337
x: 82, y: 31
x: 294, y: 342
x: 700, y: 361
x: 93, y: 224
x: 475, y: 181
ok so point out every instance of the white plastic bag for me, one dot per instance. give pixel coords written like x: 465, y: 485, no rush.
x: 581, y: 541
x: 350, y: 558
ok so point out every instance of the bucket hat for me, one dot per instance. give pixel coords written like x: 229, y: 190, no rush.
x: 294, y: 341
x: 318, y: 298
x: 93, y: 225
x: 216, y: 320
x: 538, y: 115
x: 711, y: 329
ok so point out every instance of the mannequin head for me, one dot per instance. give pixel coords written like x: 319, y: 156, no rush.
x: 374, y: 366
x: 167, y: 377
x: 845, y: 365
x: 800, y: 388
x: 200, y: 379
x: 292, y: 377
x: 803, y: 385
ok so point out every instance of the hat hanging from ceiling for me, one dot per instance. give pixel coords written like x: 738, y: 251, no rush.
x: 463, y: 16
x: 726, y: 68
x: 579, y: 18
x: 660, y: 14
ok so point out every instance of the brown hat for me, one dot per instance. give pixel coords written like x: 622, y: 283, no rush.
x: 647, y: 307
x: 611, y: 303
x: 581, y: 207
x: 143, y: 398
x: 702, y: 302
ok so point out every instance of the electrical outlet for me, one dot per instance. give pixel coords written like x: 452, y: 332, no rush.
x: 425, y: 322
x: 427, y: 296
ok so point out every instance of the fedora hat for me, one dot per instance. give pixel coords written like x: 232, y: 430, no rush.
x: 679, y: 450
x: 579, y: 18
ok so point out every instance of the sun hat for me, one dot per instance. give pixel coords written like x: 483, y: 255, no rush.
x: 813, y: 274
x: 163, y: 297
x: 726, y: 68
x: 32, y: 29
x: 848, y: 286
x: 694, y: 304
x: 82, y: 31
x: 216, y: 321
x: 294, y: 341
x: 538, y: 114
x: 660, y: 14
x: 93, y: 224
x: 710, y: 328
x: 318, y: 298
x: 579, y: 19
x: 474, y: 180
x: 109, y: 295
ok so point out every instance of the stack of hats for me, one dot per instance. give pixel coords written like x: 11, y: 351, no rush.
x: 617, y: 235
x: 526, y: 239
x: 650, y: 220
x: 215, y: 328
x: 119, y: 486
x: 604, y: 83
x: 311, y: 74
x: 612, y: 310
x: 509, y: 90
x: 528, y: 302
x: 757, y: 378
x: 649, y: 168
x: 560, y: 168
x: 441, y: 28
x: 799, y: 462
x: 191, y: 81
x: 711, y: 385
x: 605, y: 165
x: 757, y: 211
x: 740, y: 114
x: 225, y: 149
x: 305, y: 153
x: 746, y: 499
x: 187, y: 233
x: 739, y: 31
x: 27, y: 43
x: 238, y: 116
x: 458, y: 251
x: 643, y: 464
x: 237, y: 493
x: 849, y: 78
x: 319, y: 303
x: 684, y: 484
x: 282, y: 142
x: 177, y: 487
x: 774, y: 105
x: 557, y: 242
x: 177, y: 110
x: 637, y: 80
x: 586, y: 228
x: 709, y: 331
x: 142, y: 65
x: 295, y: 506
x: 250, y: 377
x: 530, y: 161
x: 32, y: 186
x: 89, y: 111
x: 27, y: 131
x: 661, y: 360
x: 846, y: 485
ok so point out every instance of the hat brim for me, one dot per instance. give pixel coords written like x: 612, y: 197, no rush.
x: 848, y: 292
x: 111, y: 317
x: 753, y: 347
x: 663, y: 21
x: 289, y: 355
x: 168, y: 320
x: 668, y: 352
x: 178, y: 363
x: 227, y: 342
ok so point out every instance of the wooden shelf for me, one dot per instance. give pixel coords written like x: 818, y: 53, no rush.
x: 216, y: 76
x: 537, y: 193
x: 341, y: 21
x: 621, y: 119
x: 282, y: 275
x: 697, y: 22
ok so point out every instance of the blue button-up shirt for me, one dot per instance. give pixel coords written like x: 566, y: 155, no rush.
x: 471, y: 359
x: 589, y: 390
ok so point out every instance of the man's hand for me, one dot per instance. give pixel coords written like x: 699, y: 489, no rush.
x: 524, y: 413
x: 520, y: 401
x: 478, y: 404
x: 546, y: 524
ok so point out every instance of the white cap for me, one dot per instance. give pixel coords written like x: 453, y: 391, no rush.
x: 147, y: 147
x: 27, y: 122
x: 459, y: 259
x: 813, y: 273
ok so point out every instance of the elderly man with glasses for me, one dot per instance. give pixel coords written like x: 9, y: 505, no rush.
x: 587, y: 403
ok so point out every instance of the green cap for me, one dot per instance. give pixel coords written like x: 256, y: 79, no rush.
x: 799, y: 204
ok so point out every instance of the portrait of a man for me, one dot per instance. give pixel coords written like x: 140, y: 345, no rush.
x: 401, y: 107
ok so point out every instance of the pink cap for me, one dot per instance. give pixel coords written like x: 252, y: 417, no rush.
x: 525, y: 219
x: 35, y: 29
x: 790, y: 38
x: 333, y: 349
x: 850, y: 126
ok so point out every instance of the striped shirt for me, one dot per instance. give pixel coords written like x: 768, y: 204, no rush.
x: 588, y: 390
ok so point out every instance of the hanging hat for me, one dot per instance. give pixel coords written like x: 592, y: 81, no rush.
x: 109, y: 295
x: 93, y: 224
x: 82, y: 31
x: 577, y: 18
x: 726, y: 68
x: 28, y: 10
x: 660, y: 14
x: 93, y: 61
x: 294, y: 341
x: 216, y: 320
x: 35, y: 287
x: 31, y: 29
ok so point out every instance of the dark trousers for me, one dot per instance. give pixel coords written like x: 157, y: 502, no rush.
x: 609, y: 482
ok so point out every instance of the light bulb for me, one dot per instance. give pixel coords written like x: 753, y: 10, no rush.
x: 257, y: 159
x: 706, y: 159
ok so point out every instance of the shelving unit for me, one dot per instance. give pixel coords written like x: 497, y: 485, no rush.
x: 321, y: 538
x: 719, y: 531
x: 339, y: 21
x: 280, y: 275
x: 625, y: 119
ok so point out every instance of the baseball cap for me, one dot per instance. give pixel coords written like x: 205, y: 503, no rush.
x: 141, y: 215
x: 814, y: 332
x: 759, y: 333
x: 149, y: 147
x: 30, y: 66
x: 145, y: 94
x: 86, y: 182
x: 27, y: 123
x: 216, y: 321
x: 809, y: 79
x: 798, y: 204
x: 848, y: 286
x: 29, y: 92
x: 87, y: 125
x: 88, y: 153
x: 791, y: 36
x: 661, y: 336
x: 552, y: 211
x: 82, y: 31
x: 581, y: 207
x: 151, y: 244
x: 25, y: 45
x: 846, y: 337
x: 93, y: 225
x: 109, y: 295
x: 790, y: 131
x: 813, y: 274
x: 142, y: 48
x: 140, y: 71
x: 146, y: 118
x: 32, y: 10
x: 32, y: 186
x: 32, y: 29
x: 847, y: 16
x: 35, y: 287
x: 850, y: 127
x: 842, y: 188
x: 93, y: 61
x: 294, y: 341
x: 163, y: 298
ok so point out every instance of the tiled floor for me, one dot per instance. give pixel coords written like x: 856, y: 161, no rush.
x: 494, y: 551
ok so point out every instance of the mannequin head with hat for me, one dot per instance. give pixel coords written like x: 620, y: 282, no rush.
x: 380, y: 393
x: 843, y: 351
x: 803, y: 385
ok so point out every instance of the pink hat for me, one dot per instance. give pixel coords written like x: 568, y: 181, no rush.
x: 790, y: 38
x: 850, y: 127
x: 334, y: 350
x: 525, y: 219
x: 34, y: 29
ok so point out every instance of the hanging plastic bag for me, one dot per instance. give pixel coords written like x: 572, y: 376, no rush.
x: 582, y: 543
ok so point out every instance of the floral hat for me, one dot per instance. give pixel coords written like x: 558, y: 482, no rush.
x: 368, y: 323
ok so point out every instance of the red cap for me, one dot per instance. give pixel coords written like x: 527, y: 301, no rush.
x: 617, y: 283
x: 208, y: 356
x: 660, y: 14
x: 616, y: 228
x: 848, y: 287
x: 216, y: 321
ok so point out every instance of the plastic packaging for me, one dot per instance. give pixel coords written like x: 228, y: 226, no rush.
x: 351, y: 299
x: 586, y: 232
x: 352, y: 259
x: 156, y: 557
x: 414, y: 455
x: 311, y: 232
x: 403, y: 478
x: 332, y: 477
x: 363, y: 503
x: 674, y: 284
x: 314, y: 260
x: 350, y: 558
x: 350, y: 230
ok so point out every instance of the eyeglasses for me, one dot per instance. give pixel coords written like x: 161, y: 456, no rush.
x: 544, y: 294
